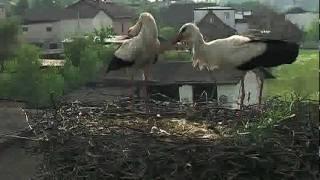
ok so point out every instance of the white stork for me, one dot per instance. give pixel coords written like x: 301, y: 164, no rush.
x: 237, y: 52
x: 141, y: 50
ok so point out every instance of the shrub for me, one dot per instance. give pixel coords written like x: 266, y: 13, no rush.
x: 177, y: 56
x: 103, y: 33
x: 28, y: 82
x: 5, y: 84
x: 168, y: 32
x: 28, y: 76
x: 73, y: 50
x: 71, y: 76
x: 89, y: 64
x: 51, y: 86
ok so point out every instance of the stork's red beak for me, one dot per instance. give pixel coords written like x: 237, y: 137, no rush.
x: 177, y: 39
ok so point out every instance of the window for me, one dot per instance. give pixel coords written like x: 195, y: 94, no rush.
x: 53, y: 46
x: 49, y: 29
x: 25, y: 29
x: 226, y: 15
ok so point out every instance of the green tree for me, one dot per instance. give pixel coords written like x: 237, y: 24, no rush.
x: 9, y: 31
x: 21, y: 7
x: 26, y: 80
x: 73, y: 50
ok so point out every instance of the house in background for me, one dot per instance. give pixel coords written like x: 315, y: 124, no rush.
x: 241, y: 21
x: 177, y: 14
x: 212, y: 27
x: 208, y: 17
x: 303, y: 19
x: 268, y: 24
x: 48, y: 27
x: 2, y: 11
x: 225, y: 14
x: 180, y: 81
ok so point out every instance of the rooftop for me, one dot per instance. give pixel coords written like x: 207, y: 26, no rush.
x: 215, y: 8
x: 80, y: 9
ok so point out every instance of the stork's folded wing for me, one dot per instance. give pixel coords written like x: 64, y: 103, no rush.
x: 130, y: 49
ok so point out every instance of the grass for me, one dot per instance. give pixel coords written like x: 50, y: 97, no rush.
x: 299, y: 79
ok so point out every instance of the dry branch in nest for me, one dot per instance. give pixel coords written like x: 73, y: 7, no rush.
x: 173, y: 142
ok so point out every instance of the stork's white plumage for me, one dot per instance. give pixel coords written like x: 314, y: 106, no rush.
x: 141, y: 50
x: 237, y: 52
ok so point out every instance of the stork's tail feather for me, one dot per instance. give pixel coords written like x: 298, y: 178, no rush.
x: 277, y: 53
x: 117, y: 63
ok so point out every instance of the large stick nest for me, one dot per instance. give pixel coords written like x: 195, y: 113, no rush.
x: 116, y: 141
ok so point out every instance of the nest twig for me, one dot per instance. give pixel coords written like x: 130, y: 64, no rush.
x: 112, y: 141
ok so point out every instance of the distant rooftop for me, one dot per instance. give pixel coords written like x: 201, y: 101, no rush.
x: 296, y: 10
x: 215, y: 8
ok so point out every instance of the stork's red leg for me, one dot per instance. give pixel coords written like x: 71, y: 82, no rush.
x: 146, y: 74
x: 261, y: 83
x: 131, y: 90
x: 242, y: 93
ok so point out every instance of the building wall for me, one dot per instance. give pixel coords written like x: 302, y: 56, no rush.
x: 186, y: 94
x: 102, y: 20
x: 242, y: 27
x: 2, y: 12
x: 222, y: 14
x: 304, y: 20
x: 121, y: 26
x: 252, y: 89
x: 65, y: 28
x: 233, y: 92
x: 37, y: 32
x: 230, y: 92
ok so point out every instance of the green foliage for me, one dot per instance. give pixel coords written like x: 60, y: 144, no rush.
x: 26, y: 81
x: 28, y: 76
x: 84, y: 61
x: 51, y: 86
x: 73, y: 50
x: 71, y: 76
x: 21, y: 7
x: 103, y: 33
x: 9, y: 31
x: 5, y: 84
x: 168, y: 32
x: 258, y: 128
x: 300, y: 78
x: 177, y: 56
x: 89, y: 64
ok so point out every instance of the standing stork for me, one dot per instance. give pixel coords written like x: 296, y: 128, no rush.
x: 237, y: 52
x: 140, y: 51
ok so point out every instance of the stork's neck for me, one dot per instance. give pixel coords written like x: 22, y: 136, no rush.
x: 149, y: 33
x: 197, y: 42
